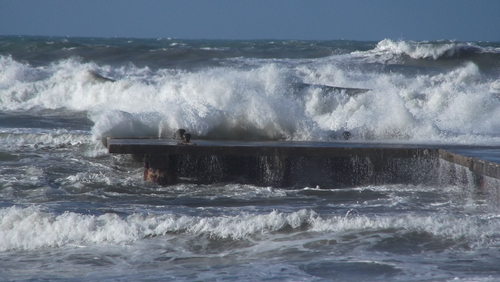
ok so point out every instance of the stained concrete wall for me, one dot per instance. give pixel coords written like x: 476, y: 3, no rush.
x: 290, y: 164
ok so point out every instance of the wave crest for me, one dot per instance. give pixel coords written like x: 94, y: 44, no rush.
x: 261, y: 103
x: 392, y: 50
x: 30, y: 228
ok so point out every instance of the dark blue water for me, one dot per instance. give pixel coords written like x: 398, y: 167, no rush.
x: 71, y: 211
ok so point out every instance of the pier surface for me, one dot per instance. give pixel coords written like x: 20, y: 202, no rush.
x: 368, y: 161
x: 263, y: 148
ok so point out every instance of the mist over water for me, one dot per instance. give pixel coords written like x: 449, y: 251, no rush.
x: 69, y: 210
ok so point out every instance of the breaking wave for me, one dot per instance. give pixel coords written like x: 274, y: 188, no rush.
x: 30, y: 228
x: 391, y: 49
x: 261, y: 101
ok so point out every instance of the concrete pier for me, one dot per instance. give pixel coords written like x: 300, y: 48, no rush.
x: 288, y: 164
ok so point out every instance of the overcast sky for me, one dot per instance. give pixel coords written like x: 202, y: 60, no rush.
x: 463, y: 20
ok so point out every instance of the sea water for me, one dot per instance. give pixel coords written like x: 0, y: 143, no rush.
x: 70, y: 211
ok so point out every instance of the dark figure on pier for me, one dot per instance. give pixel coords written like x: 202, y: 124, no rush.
x: 186, y: 139
x: 179, y: 134
x: 346, y: 135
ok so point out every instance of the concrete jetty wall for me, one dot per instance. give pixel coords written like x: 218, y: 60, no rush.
x: 475, y: 165
x: 289, y: 164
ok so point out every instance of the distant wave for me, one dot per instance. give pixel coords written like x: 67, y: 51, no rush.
x: 421, y: 50
x: 393, y: 50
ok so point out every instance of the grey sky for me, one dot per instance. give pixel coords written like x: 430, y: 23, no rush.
x: 464, y: 20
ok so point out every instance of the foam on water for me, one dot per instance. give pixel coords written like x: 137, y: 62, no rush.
x: 31, y: 228
x: 457, y: 106
x: 42, y: 139
x: 390, y: 50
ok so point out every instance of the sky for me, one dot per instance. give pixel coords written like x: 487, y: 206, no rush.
x: 372, y: 20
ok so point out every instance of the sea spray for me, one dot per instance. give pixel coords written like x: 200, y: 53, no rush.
x: 240, y: 102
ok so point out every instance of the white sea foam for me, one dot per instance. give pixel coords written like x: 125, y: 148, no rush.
x: 457, y: 106
x: 14, y: 138
x: 30, y: 228
x: 389, y: 50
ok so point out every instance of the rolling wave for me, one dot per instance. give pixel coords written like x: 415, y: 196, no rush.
x: 30, y: 228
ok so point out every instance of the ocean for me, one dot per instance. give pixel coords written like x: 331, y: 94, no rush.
x: 71, y: 211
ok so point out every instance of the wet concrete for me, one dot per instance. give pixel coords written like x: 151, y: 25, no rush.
x: 289, y: 164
